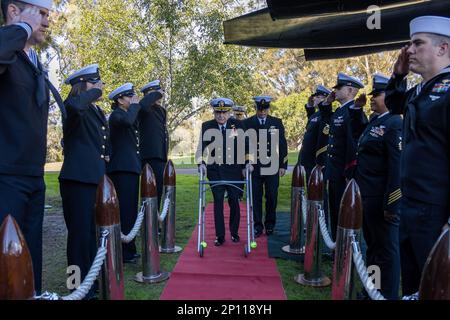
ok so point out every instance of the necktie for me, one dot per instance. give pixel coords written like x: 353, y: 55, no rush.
x: 223, y: 129
x: 263, y: 121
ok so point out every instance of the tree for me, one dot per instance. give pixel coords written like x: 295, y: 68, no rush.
x: 287, y: 71
x: 292, y: 111
x: 179, y: 42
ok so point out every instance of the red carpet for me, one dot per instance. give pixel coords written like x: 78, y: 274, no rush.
x: 224, y: 273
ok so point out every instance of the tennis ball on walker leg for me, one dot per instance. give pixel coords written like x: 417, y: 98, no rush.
x: 253, y: 245
x: 203, y: 244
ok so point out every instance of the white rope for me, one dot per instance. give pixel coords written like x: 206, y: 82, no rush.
x: 88, y: 281
x: 137, y: 225
x: 324, y: 230
x: 374, y: 294
x: 166, y: 206
x: 414, y: 296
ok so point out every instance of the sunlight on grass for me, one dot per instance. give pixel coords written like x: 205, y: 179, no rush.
x: 187, y: 197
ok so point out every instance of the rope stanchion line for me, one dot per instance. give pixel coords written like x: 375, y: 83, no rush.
x: 166, y: 207
x: 324, y: 231
x: 137, y: 225
x: 90, y: 278
x: 361, y: 268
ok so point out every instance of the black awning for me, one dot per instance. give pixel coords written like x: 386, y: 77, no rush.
x: 288, y: 9
x: 336, y: 31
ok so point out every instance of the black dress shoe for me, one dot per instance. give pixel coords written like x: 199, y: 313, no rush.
x: 219, y: 241
x: 235, y: 238
x: 136, y: 256
x: 130, y: 261
x: 269, y: 231
x: 258, y: 234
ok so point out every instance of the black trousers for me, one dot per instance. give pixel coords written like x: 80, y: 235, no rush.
x: 127, y: 189
x: 158, y: 167
x: 267, y: 185
x: 78, y: 201
x: 24, y: 197
x: 233, y: 201
x: 382, y: 239
x: 336, y: 189
x: 420, y: 226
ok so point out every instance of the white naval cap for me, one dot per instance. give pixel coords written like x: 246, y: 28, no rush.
x: 153, y: 85
x: 84, y: 74
x: 346, y: 80
x: 125, y: 90
x: 222, y: 104
x: 47, y: 4
x: 380, y: 83
x: 430, y: 24
x: 238, y: 108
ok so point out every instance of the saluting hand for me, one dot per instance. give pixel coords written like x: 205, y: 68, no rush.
x: 361, y: 101
x: 311, y: 101
x: 134, y: 99
x: 401, y: 66
x: 330, y: 99
x: 99, y: 85
x: 30, y: 15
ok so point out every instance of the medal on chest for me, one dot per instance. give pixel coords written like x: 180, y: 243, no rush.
x: 377, y: 132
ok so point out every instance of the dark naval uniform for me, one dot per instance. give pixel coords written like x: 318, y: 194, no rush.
x: 264, y: 183
x: 315, y: 140
x: 310, y: 111
x: 86, y: 150
x: 378, y: 177
x: 124, y: 169
x: 154, y: 137
x: 424, y: 169
x: 24, y: 106
x: 346, y: 126
x: 221, y: 170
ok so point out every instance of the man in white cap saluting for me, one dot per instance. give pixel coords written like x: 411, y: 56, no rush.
x: 424, y: 167
x: 24, y: 96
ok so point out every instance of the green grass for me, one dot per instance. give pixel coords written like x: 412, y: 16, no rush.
x: 290, y: 269
x: 292, y: 158
x: 187, y: 197
x: 187, y: 194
